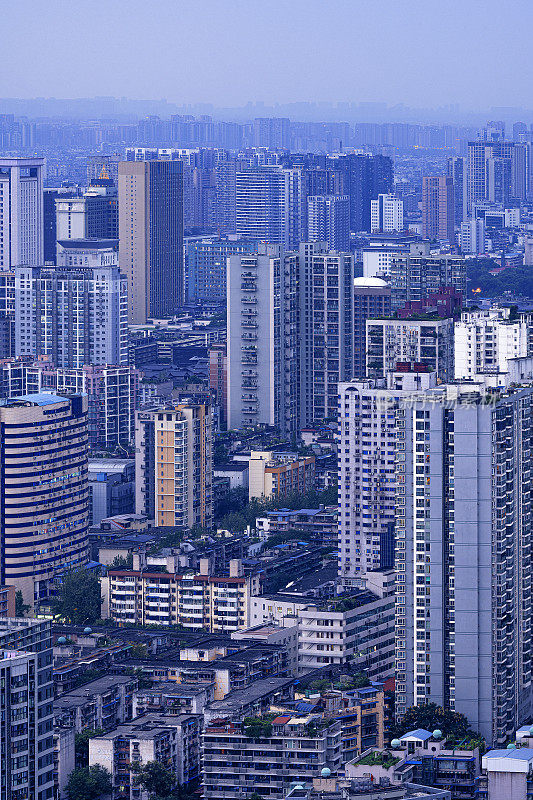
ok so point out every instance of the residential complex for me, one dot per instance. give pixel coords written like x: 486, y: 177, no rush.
x: 21, y: 211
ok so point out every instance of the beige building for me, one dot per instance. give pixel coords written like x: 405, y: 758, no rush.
x: 45, y: 490
x: 279, y: 474
x: 155, y: 591
x: 151, y: 236
x: 174, y: 465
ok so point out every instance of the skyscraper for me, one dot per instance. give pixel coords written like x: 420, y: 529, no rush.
x: 372, y: 298
x: 262, y: 339
x: 325, y: 328
x: 174, y: 465
x: 272, y: 132
x: 76, y: 312
x: 271, y: 205
x: 438, y: 208
x: 364, y: 179
x: 457, y: 172
x: 478, y: 154
x: 94, y: 215
x: 328, y: 220
x: 151, y: 236
x: 21, y: 211
x: 463, y: 538
x: 367, y: 484
x: 44, y: 503
x: 386, y: 214
x: 206, y: 265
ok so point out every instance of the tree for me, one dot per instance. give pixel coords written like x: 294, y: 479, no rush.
x: 432, y: 717
x: 79, y: 601
x: 119, y: 562
x: 88, y: 783
x: 21, y: 608
x: 82, y: 745
x: 156, y: 779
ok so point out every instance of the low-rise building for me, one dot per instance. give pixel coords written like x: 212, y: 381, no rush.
x: 279, y: 474
x: 422, y: 757
x: 160, y: 593
x: 255, y: 700
x: 265, y: 755
x: 171, y: 697
x: 320, y: 523
x: 103, y: 703
x: 171, y: 740
x: 285, y: 634
x: 329, y: 787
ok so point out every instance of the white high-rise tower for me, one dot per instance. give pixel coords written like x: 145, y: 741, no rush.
x: 21, y: 212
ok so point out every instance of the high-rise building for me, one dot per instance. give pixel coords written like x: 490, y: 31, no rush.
x: 112, y: 394
x: 151, y: 236
x: 438, y: 208
x: 364, y: 179
x: 50, y: 197
x: 326, y: 299
x: 328, y: 220
x: 414, y: 277
x: 272, y: 132
x: 21, y: 211
x: 367, y: 484
x: 498, y: 180
x: 26, y: 688
x: 478, y: 154
x: 486, y: 339
x: 44, y: 504
x: 271, y: 205
x: 463, y: 537
x: 94, y: 215
x: 174, y: 465
x: 408, y: 344
x: 206, y: 265
x: 76, y: 312
x: 386, y: 214
x: 457, y: 172
x: 372, y: 298
x: 262, y: 340
x: 472, y: 237
x: 218, y: 379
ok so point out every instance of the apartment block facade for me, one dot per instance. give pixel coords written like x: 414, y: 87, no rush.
x: 174, y: 465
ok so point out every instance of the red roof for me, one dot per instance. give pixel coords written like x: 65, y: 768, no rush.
x: 281, y: 720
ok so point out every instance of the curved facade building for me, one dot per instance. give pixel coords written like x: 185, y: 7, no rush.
x: 44, y: 490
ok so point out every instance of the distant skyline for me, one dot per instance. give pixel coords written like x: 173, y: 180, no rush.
x: 422, y: 53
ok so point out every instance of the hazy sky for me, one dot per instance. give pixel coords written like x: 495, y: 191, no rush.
x: 477, y: 53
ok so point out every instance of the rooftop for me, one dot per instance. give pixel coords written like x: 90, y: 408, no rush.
x: 42, y: 399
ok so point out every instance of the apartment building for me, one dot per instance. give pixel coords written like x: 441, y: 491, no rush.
x: 145, y: 594
x: 26, y: 761
x: 45, y: 500
x: 279, y: 474
x: 76, y: 312
x: 262, y: 358
x: 462, y: 531
x: 267, y: 755
x: 422, y: 343
x: 173, y: 741
x: 174, y: 465
x: 103, y: 703
x: 326, y: 328
x: 366, y: 467
x: 486, y: 339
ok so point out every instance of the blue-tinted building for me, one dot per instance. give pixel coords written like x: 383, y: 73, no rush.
x: 205, y: 260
